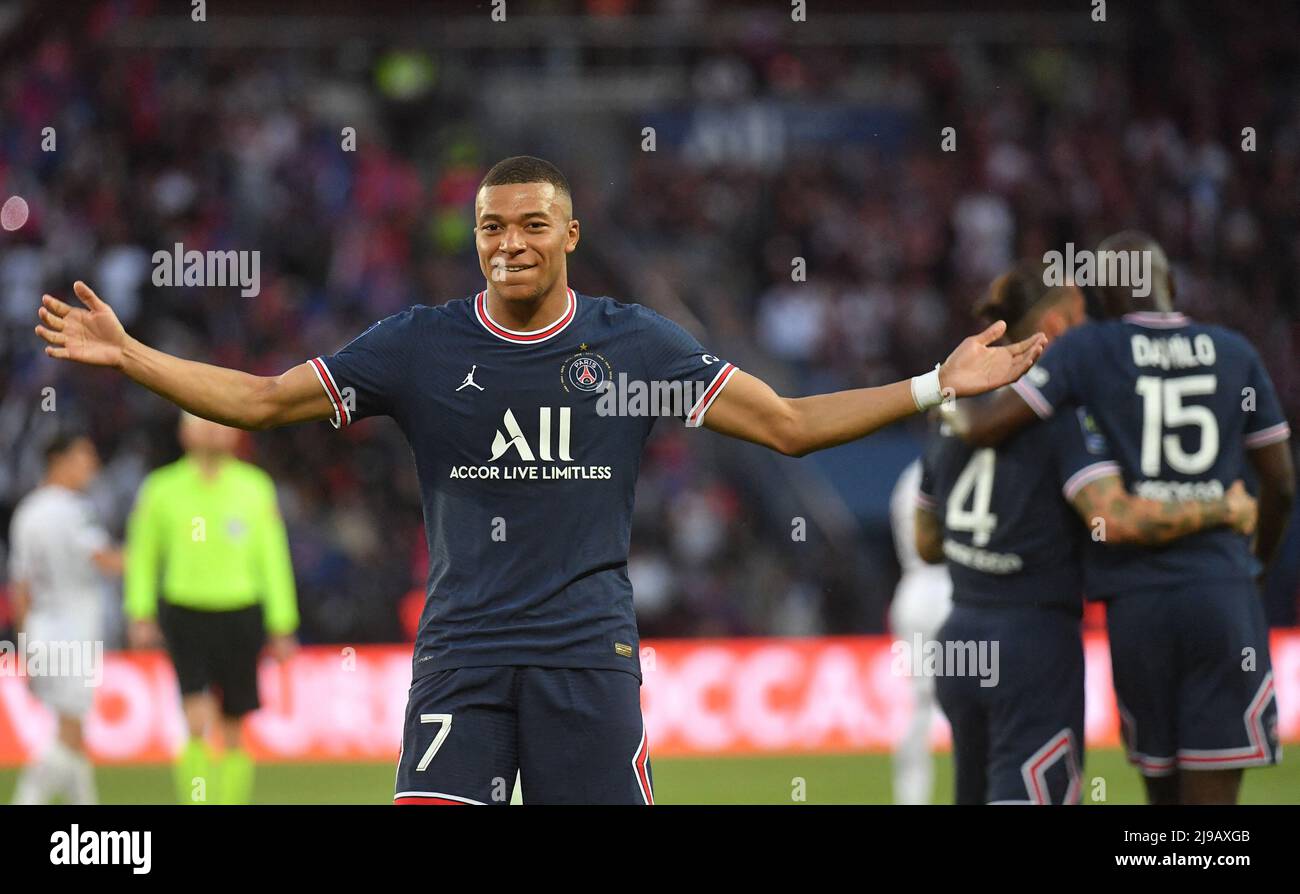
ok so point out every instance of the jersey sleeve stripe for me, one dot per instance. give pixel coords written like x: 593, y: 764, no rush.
x: 696, y: 416
x: 1270, y: 435
x: 1033, y: 397
x: 1088, y: 474
x: 341, y: 417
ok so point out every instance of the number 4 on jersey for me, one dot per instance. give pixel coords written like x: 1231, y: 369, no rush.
x: 975, y: 484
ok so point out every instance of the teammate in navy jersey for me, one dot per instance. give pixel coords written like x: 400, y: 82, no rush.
x: 1184, y: 407
x: 1013, y: 548
x: 527, y: 654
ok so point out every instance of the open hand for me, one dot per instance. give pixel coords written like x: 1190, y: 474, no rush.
x: 91, y: 335
x: 977, y: 365
x: 1243, y: 510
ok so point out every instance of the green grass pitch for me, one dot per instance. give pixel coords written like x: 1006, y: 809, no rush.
x: 826, y: 779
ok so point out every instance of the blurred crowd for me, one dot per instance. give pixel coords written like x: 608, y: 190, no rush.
x: 234, y: 149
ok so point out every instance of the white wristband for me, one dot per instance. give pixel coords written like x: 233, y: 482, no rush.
x: 926, y: 392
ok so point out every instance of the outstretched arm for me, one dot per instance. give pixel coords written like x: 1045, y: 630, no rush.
x: 749, y: 409
x: 94, y: 336
x: 1129, y: 519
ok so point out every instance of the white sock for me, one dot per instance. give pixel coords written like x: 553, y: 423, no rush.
x: 33, y: 784
x: 913, y: 762
x: 44, y: 777
x: 65, y: 763
x: 81, y: 788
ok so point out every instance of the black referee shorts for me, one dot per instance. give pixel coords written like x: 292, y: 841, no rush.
x: 217, y: 650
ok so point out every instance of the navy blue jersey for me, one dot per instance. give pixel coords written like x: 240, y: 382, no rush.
x: 1179, y: 403
x: 527, y: 462
x: 1008, y: 535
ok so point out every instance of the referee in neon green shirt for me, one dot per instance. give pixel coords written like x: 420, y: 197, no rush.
x: 206, y: 535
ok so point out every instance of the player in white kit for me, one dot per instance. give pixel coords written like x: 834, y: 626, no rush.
x: 59, y: 555
x: 921, y: 604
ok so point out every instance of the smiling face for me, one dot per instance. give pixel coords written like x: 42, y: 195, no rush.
x: 523, y: 232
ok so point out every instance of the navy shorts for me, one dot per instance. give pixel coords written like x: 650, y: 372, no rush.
x: 575, y: 736
x: 1020, y: 740
x: 1193, y: 677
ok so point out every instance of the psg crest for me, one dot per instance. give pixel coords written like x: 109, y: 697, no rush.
x: 585, y: 371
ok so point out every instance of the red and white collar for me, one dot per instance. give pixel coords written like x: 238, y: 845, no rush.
x: 524, y: 338
x: 1156, y: 320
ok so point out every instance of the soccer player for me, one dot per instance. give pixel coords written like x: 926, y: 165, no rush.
x: 921, y: 602
x: 1184, y: 407
x: 527, y: 656
x: 207, y: 536
x: 1013, y: 548
x: 59, y: 555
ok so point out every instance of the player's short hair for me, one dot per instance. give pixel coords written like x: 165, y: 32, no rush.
x: 526, y: 169
x: 60, y: 444
x: 1019, y: 296
x: 1118, y: 298
x: 1014, y: 294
